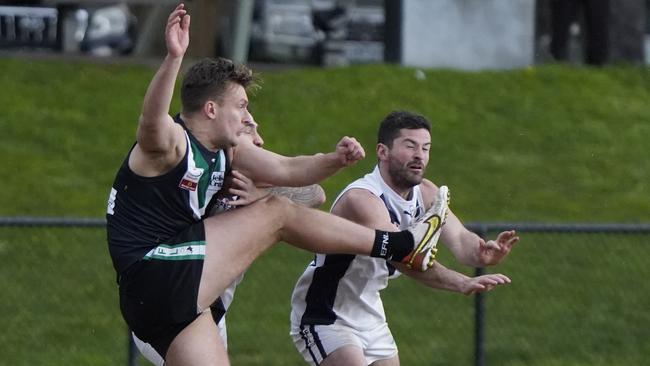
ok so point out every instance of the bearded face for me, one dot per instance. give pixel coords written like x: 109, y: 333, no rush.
x: 406, y: 174
x: 407, y: 158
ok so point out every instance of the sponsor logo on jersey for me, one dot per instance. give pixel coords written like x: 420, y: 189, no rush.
x: 216, y: 183
x: 216, y: 180
x: 191, y: 178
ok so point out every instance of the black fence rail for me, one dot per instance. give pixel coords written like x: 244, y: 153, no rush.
x: 27, y: 221
x: 484, y: 230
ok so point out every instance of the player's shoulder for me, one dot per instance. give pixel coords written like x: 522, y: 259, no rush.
x: 361, y: 206
x: 429, y: 190
x: 357, y: 195
x: 356, y: 199
x: 428, y: 187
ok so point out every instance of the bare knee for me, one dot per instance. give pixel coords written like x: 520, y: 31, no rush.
x: 281, y: 211
x: 273, y: 199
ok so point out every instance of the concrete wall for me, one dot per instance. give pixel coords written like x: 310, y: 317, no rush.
x: 468, y: 34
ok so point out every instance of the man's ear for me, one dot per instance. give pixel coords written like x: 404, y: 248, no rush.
x: 210, y: 109
x: 382, y: 151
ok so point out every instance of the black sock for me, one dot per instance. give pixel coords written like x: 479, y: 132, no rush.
x: 392, y: 245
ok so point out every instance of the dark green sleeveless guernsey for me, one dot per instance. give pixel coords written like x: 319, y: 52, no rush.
x: 144, y: 212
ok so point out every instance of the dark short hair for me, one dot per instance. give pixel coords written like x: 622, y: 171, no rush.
x: 395, y: 121
x: 208, y: 79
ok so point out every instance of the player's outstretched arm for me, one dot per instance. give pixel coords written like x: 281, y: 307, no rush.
x: 247, y: 192
x: 467, y: 247
x: 156, y: 131
x: 443, y: 278
x: 309, y: 196
x: 268, y: 168
x: 470, y: 249
x: 361, y: 206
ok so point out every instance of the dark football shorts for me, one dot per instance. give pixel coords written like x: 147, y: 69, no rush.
x: 158, y: 294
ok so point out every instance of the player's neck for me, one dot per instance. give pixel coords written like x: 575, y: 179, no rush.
x: 404, y: 192
x: 203, y: 131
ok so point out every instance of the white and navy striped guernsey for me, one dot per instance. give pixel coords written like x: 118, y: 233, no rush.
x: 344, y: 289
x: 144, y: 212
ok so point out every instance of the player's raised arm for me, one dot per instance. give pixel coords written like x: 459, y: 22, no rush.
x: 156, y: 131
x: 266, y: 167
x: 362, y: 207
x: 470, y: 249
x: 467, y: 247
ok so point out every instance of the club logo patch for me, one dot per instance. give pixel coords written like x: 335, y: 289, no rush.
x: 191, y: 178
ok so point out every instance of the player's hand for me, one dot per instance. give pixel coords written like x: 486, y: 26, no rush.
x: 177, y: 32
x: 483, y: 283
x: 245, y: 189
x: 493, y: 251
x: 349, y: 151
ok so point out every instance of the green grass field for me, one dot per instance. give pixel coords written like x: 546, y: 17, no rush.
x: 548, y: 144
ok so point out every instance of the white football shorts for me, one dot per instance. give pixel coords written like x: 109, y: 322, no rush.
x: 315, y: 342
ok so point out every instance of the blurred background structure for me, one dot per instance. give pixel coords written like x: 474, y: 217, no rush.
x: 465, y: 34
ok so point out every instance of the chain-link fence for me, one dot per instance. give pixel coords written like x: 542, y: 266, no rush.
x: 579, y: 296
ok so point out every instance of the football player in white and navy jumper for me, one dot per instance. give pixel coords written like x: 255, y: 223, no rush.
x: 337, y: 316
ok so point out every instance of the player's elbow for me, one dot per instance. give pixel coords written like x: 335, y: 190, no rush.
x: 319, y: 196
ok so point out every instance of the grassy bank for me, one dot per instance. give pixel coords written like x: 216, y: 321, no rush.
x: 548, y: 144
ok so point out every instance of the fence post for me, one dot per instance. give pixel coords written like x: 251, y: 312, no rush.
x: 479, y: 314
